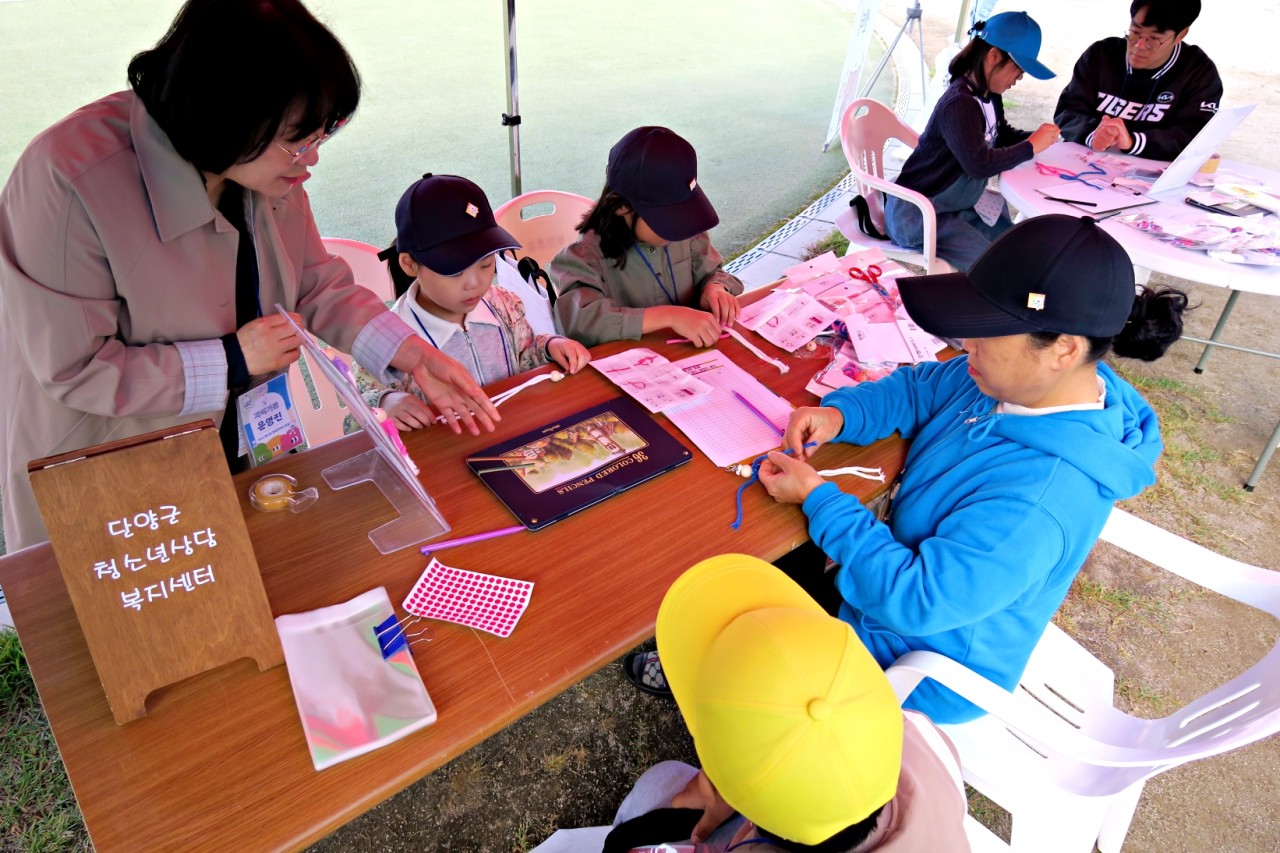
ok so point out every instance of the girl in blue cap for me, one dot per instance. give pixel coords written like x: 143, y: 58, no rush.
x: 644, y: 261
x: 967, y: 141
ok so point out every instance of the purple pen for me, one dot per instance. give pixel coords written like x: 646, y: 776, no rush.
x: 759, y: 414
x: 467, y: 540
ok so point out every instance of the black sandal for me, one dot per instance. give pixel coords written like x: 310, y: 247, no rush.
x: 644, y: 670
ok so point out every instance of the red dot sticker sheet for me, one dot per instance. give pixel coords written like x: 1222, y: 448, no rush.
x: 486, y: 602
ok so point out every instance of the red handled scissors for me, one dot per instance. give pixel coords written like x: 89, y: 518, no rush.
x: 872, y: 277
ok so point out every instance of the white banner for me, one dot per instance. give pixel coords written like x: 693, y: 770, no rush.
x: 851, y: 74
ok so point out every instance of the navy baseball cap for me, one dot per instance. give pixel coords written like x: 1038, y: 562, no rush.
x: 1019, y: 36
x: 656, y: 171
x: 445, y: 223
x: 1053, y: 273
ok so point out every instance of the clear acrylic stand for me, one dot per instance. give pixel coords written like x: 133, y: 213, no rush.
x: 385, y: 465
x: 418, y: 519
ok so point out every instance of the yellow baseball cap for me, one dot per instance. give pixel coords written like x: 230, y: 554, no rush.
x: 793, y: 720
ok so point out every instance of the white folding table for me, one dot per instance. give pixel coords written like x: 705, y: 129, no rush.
x: 1020, y: 187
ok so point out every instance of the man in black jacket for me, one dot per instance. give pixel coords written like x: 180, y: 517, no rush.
x: 1146, y: 93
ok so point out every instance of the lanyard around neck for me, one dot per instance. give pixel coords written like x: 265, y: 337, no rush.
x: 502, y: 336
x: 672, y: 294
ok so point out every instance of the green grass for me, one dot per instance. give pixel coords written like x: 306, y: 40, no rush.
x: 1143, y: 702
x: 37, y: 811
x: 1188, y: 464
x: 1119, y: 602
x: 833, y: 242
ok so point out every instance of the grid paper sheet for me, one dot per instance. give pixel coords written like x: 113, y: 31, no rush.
x: 719, y: 424
x: 487, y: 602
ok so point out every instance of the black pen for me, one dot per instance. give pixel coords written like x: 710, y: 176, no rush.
x: 1072, y: 201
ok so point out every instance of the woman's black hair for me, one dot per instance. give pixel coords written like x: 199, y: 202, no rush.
x: 971, y: 61
x: 844, y: 840
x: 616, y: 234
x: 231, y: 76
x: 1155, y: 322
x: 400, y: 280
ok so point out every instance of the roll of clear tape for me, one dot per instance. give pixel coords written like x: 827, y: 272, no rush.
x: 277, y: 492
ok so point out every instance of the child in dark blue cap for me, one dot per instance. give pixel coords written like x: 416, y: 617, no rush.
x: 644, y: 261
x: 967, y: 141
x: 444, y: 262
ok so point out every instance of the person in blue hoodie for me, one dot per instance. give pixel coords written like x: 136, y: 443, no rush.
x: 1019, y: 450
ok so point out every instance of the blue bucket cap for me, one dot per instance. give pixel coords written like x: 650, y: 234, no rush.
x: 1019, y: 36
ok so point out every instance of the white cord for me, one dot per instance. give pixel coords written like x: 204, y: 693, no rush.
x: 857, y: 471
x: 499, y: 399
x: 737, y: 336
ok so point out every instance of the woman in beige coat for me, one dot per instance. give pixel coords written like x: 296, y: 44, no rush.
x: 145, y: 239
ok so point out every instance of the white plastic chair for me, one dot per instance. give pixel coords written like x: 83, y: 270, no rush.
x: 544, y: 221
x: 1057, y: 754
x: 363, y: 260
x: 537, y: 305
x: 865, y: 131
x: 321, y: 423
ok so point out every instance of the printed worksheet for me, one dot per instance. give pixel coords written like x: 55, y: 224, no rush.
x: 652, y: 380
x: 723, y: 427
x: 787, y: 319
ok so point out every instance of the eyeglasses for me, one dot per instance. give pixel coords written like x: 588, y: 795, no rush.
x: 1137, y: 38
x: 315, y: 141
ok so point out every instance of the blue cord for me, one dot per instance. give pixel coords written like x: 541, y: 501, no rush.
x: 755, y: 477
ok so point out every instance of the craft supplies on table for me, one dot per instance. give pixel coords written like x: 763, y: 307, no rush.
x: 788, y: 319
x: 485, y: 602
x: 1251, y: 240
x: 844, y: 370
x: 719, y: 424
x: 650, y: 378
x: 579, y: 460
x: 351, y: 699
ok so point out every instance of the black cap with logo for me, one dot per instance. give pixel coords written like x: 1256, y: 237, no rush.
x: 445, y: 223
x: 656, y: 171
x: 1053, y: 273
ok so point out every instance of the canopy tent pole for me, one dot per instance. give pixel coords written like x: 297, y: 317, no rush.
x: 962, y: 22
x: 511, y: 118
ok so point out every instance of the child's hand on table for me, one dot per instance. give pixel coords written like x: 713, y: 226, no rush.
x: 406, y: 410
x: 448, y: 387
x: 569, y: 354
x: 720, y: 303
x: 699, y: 327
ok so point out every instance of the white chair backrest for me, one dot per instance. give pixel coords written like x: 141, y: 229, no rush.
x: 1245, y: 709
x: 865, y: 131
x: 322, y: 422
x: 544, y: 221
x: 363, y: 260
x: 1057, y: 751
x: 537, y: 306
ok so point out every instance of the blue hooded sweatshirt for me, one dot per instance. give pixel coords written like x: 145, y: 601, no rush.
x: 994, y: 517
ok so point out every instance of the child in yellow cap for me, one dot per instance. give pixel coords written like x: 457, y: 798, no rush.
x: 803, y: 744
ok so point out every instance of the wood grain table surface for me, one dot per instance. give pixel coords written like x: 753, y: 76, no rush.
x: 220, y: 763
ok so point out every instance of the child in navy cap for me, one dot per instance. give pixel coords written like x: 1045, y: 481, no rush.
x: 444, y: 261
x: 644, y: 261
